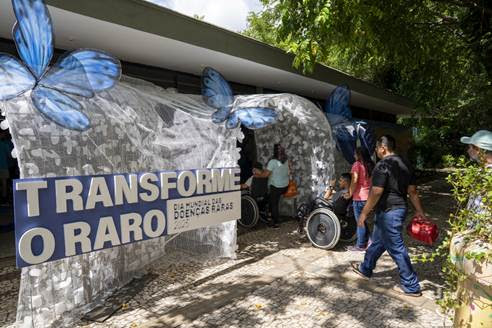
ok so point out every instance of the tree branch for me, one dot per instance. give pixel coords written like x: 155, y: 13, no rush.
x: 467, y: 4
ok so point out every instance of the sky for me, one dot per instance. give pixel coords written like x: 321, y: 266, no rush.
x: 229, y: 14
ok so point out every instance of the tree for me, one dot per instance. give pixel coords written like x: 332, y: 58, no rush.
x: 438, y: 53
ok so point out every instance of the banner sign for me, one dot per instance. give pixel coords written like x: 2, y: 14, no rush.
x: 58, y: 217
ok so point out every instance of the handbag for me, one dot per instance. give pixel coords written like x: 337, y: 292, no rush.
x: 291, y: 189
x: 423, y: 230
x: 292, y: 186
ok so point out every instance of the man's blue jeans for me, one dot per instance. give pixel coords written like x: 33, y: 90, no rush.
x: 362, y: 232
x: 387, y: 237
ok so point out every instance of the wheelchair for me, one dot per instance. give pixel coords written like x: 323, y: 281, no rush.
x: 254, y: 203
x: 323, y: 227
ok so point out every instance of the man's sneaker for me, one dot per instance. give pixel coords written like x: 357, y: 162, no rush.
x: 397, y: 289
x: 356, y: 268
x: 355, y: 249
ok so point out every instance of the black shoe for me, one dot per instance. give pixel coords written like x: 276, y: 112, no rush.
x: 356, y: 269
x: 275, y: 226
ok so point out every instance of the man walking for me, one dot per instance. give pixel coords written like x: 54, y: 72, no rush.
x: 392, y: 180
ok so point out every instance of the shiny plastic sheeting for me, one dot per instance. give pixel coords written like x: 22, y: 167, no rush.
x: 135, y: 127
x: 305, y: 133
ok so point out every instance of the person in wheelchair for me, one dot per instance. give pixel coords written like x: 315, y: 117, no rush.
x: 338, y: 201
x: 257, y: 173
x: 254, y: 198
x: 329, y: 228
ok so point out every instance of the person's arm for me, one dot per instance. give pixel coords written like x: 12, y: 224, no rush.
x: 329, y: 190
x: 268, y: 171
x: 328, y: 193
x: 379, y: 178
x: 264, y: 174
x: 353, y: 184
x: 415, y: 200
x: 372, y: 200
x: 413, y: 194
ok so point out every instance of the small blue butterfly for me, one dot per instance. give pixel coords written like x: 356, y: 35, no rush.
x: 81, y: 72
x: 347, y: 131
x: 217, y: 93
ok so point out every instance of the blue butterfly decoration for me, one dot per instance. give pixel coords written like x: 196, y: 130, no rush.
x: 217, y: 93
x: 80, y: 73
x: 348, y: 132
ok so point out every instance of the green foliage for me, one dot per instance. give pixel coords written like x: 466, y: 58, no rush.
x: 438, y: 53
x: 468, y: 181
x: 261, y: 27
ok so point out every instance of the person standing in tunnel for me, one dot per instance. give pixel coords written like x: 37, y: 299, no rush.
x: 277, y: 171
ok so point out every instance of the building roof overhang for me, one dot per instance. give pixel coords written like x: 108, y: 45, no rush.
x: 141, y: 32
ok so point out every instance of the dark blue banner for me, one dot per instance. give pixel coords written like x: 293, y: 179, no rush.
x: 65, y: 216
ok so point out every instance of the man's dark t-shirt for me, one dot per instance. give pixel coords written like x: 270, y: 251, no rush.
x: 394, y: 175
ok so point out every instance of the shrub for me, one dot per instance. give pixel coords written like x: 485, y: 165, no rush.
x: 470, y: 182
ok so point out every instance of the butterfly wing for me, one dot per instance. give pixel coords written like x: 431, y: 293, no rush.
x: 335, y: 119
x: 367, y: 138
x: 60, y: 108
x: 252, y: 118
x: 337, y: 105
x: 15, y: 78
x: 345, y: 137
x: 33, y: 34
x: 83, y: 73
x: 217, y: 93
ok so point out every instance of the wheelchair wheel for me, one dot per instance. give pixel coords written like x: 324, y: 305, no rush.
x: 348, y: 228
x: 249, y: 212
x: 323, y: 228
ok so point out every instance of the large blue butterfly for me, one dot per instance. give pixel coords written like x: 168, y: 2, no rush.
x: 217, y: 93
x: 347, y: 131
x: 79, y: 73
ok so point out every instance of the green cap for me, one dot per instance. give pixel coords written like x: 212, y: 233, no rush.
x: 482, y: 139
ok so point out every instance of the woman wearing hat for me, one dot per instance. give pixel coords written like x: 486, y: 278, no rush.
x: 480, y: 147
x: 479, y: 150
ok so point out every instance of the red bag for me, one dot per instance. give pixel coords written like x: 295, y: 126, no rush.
x: 423, y: 230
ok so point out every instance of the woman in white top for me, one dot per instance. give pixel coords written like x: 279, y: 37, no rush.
x: 277, y: 171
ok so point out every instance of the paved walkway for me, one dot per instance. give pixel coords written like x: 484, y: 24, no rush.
x: 279, y: 280
x: 9, y: 288
x: 281, y: 283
